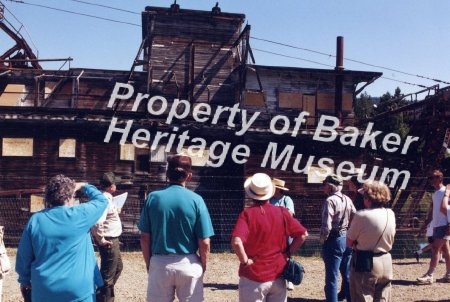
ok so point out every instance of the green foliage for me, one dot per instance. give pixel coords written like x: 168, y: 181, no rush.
x: 395, y: 123
x: 364, y: 107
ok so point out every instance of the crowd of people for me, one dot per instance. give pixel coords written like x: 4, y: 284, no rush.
x: 56, y: 260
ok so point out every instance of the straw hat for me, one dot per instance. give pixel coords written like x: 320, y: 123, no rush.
x: 280, y: 184
x: 259, y: 187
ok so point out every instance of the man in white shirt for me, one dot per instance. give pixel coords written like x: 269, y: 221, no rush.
x: 106, y: 233
x: 440, y: 238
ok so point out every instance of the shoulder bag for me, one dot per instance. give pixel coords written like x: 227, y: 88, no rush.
x: 363, y: 260
x: 293, y: 271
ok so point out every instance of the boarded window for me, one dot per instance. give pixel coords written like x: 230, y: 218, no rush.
x: 158, y: 155
x: 316, y: 174
x: 254, y: 98
x: 127, y: 152
x: 326, y: 101
x: 290, y: 100
x: 199, y: 156
x: 37, y: 203
x: 309, y: 105
x: 12, y: 95
x: 67, y: 147
x: 17, y: 147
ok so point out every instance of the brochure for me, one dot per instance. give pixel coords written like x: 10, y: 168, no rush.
x: 119, y: 200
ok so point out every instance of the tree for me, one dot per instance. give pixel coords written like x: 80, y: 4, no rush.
x: 395, y: 122
x: 364, y: 107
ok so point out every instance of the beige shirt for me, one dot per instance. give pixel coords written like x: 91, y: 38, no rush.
x: 337, y: 208
x: 109, y: 225
x: 367, y: 226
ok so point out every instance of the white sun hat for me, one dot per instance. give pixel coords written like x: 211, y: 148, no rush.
x: 259, y: 187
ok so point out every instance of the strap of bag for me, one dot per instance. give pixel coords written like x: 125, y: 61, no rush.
x: 284, y: 201
x: 285, y: 233
x: 379, y: 238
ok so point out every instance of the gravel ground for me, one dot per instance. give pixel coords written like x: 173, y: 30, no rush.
x: 221, y: 280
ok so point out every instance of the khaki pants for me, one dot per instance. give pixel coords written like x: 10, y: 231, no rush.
x: 374, y: 285
x: 270, y: 291
x: 175, y: 274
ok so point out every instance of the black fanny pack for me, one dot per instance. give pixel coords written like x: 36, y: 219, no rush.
x: 362, y: 261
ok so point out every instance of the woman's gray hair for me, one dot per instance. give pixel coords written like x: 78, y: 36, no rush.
x: 59, y: 190
x: 377, y: 193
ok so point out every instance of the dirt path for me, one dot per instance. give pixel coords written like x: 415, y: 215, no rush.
x: 221, y: 281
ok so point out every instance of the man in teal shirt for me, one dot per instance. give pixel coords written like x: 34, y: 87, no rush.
x: 55, y: 257
x: 174, y: 224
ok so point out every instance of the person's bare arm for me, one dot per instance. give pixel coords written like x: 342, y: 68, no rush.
x: 204, y: 249
x: 297, y: 243
x: 444, y: 203
x: 238, y: 248
x: 146, y: 248
x: 350, y: 242
x: 426, y: 222
x: 79, y: 185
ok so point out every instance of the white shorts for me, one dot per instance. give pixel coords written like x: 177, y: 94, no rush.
x: 175, y: 274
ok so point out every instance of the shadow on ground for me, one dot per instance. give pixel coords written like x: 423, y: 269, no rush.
x: 404, y: 282
x: 304, y: 300
x: 220, y: 286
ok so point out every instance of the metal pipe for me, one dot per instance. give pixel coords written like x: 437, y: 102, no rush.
x: 35, y: 60
x: 339, y: 78
x: 340, y: 53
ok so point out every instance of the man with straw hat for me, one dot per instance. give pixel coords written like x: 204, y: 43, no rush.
x: 279, y: 199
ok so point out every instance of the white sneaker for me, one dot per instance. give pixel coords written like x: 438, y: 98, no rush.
x: 290, y: 286
x: 425, y: 279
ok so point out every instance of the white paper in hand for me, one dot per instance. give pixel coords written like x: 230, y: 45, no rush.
x: 119, y: 200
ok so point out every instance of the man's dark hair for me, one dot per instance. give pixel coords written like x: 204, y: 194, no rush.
x: 108, y: 179
x: 178, y: 167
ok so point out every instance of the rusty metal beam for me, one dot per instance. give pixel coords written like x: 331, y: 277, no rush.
x: 22, y: 44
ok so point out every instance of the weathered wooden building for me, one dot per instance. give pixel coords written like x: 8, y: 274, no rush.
x: 427, y: 119
x: 191, y: 87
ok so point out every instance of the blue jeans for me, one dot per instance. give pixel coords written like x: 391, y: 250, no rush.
x: 336, y: 257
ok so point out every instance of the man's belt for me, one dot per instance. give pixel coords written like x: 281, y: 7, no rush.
x: 337, y: 233
x: 111, y: 238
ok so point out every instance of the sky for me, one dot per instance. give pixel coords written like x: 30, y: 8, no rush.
x: 407, y: 40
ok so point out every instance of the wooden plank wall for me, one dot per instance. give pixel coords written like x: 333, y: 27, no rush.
x: 221, y: 187
x: 289, y: 85
x: 308, y: 197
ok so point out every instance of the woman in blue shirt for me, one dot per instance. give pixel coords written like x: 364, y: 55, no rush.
x: 55, y: 257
